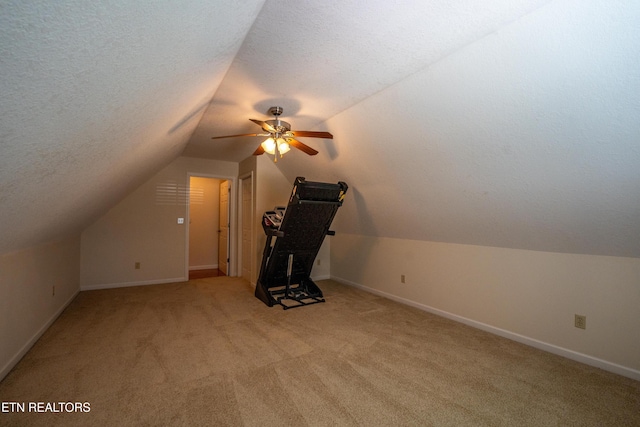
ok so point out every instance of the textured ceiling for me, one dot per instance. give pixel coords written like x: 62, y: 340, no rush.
x: 502, y: 123
x: 96, y: 97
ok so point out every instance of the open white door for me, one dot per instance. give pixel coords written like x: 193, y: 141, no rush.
x: 247, y: 226
x: 223, y: 230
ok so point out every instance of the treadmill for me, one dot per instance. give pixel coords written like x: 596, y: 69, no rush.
x: 294, y: 236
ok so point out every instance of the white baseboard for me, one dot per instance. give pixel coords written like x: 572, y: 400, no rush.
x: 25, y: 348
x: 129, y: 284
x: 203, y: 267
x: 322, y: 277
x: 540, y: 345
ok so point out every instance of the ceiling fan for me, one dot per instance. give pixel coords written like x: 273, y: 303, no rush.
x: 280, y: 137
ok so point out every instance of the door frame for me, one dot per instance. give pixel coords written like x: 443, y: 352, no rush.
x: 248, y: 176
x: 233, y: 242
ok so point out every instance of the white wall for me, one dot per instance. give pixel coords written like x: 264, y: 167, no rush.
x: 143, y: 228
x: 28, y: 305
x: 322, y: 265
x: 204, y: 219
x: 524, y: 295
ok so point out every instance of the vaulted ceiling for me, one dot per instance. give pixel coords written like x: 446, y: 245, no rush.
x: 503, y: 123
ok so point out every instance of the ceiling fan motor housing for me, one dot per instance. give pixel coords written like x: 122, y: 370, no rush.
x: 279, y: 125
x: 275, y: 111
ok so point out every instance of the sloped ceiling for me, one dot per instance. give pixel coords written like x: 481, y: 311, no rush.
x: 97, y: 96
x: 502, y: 123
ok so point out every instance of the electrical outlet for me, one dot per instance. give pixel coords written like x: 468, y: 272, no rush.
x: 137, y: 266
x: 581, y: 321
x: 402, y: 278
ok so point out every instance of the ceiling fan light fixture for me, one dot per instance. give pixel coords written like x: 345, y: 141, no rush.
x: 269, y: 146
x: 283, y: 146
x: 275, y: 146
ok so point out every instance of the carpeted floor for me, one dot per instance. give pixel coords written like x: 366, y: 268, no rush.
x: 207, y: 352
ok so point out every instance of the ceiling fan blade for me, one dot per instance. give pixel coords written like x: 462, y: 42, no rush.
x: 311, y: 134
x: 266, y: 126
x: 233, y: 136
x: 259, y: 151
x: 302, y: 147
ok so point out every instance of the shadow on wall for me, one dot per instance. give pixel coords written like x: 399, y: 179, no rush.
x: 359, y: 223
x: 192, y: 114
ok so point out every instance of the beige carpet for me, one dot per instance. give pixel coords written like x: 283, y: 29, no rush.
x: 207, y: 352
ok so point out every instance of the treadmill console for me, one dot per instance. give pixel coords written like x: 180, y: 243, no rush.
x: 271, y: 220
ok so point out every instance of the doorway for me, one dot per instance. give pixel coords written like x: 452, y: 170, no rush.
x: 209, y: 222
